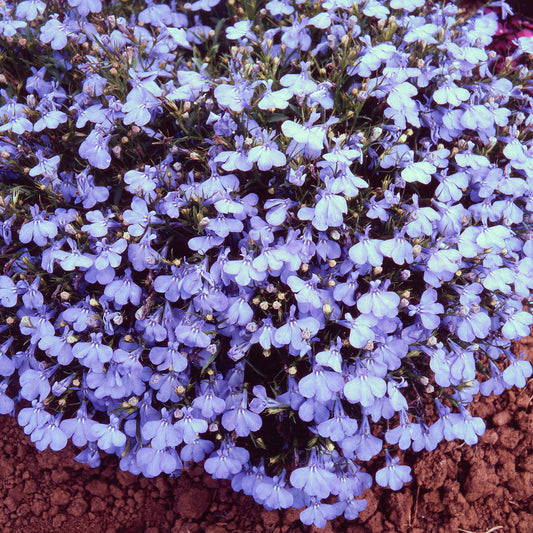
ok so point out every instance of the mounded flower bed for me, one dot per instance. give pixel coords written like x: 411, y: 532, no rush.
x: 284, y: 238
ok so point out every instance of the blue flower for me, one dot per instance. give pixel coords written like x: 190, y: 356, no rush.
x: 393, y: 474
x: 361, y: 329
x: 398, y: 248
x: 196, y: 450
x: 86, y: 6
x: 153, y: 462
x: 108, y: 257
x: 314, y: 478
x: 162, y: 433
x: 8, y: 292
x: 30, y: 9
x: 309, y: 136
x: 419, y: 172
x: 319, y: 513
x: 142, y: 255
x: 138, y: 218
x: 79, y: 428
x: 367, y: 250
x: 329, y: 209
x: 35, y: 383
x: 7, y: 366
x: 402, y: 434
x: 49, y: 434
x: 87, y: 191
x: 467, y: 427
x: 331, y: 357
x: 235, y: 97
x: 89, y: 455
x: 138, y: 107
x: 321, y: 384
x: 428, y: 309
x: 517, y: 372
x: 123, y: 290
x: 55, y: 32
x: 33, y: 417
x: 473, y: 323
x: 93, y: 354
x: 209, y: 403
x: 143, y: 184
x: 306, y: 292
x: 7, y: 405
x: 339, y: 426
x: 39, y: 229
x: 235, y: 159
x: 364, y: 386
x: 227, y: 461
x: 273, y: 492
x: 241, y: 420
x: 444, y: 426
x: 495, y: 384
x: 378, y: 301
x: 100, y: 223
x: 108, y: 436
x: 274, y: 99
x: 95, y: 148
x: 363, y: 444
x: 189, y: 425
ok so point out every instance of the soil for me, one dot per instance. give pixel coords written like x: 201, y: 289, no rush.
x: 456, y: 488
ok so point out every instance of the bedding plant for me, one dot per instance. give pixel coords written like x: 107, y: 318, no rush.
x: 282, y: 237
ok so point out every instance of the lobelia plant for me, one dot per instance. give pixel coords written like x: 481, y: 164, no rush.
x: 282, y: 237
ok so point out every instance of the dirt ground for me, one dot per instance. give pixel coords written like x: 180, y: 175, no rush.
x: 456, y: 488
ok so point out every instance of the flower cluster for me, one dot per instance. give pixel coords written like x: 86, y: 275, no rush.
x: 280, y: 237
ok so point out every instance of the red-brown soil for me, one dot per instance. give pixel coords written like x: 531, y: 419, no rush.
x: 456, y: 488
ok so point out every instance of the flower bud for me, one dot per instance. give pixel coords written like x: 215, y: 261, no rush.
x: 270, y: 288
x: 116, y: 151
x: 335, y: 235
x: 133, y: 401
x: 70, y: 229
x: 251, y: 327
x: 405, y: 275
x: 26, y: 322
